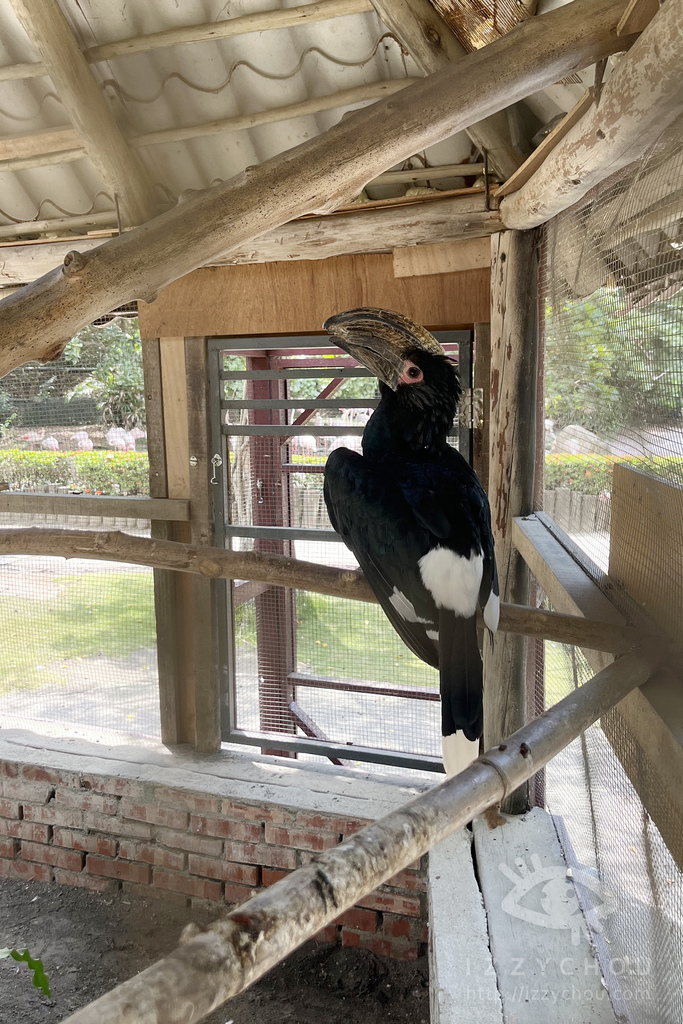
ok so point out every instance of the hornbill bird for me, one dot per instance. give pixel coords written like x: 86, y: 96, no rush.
x: 414, y: 514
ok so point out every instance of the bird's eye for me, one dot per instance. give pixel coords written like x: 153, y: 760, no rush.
x: 412, y: 374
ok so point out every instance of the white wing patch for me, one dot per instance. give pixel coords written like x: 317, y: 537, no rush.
x: 492, y: 612
x: 453, y: 580
x: 405, y: 608
x: 458, y: 752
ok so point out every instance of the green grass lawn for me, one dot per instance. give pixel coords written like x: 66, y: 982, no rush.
x: 109, y: 614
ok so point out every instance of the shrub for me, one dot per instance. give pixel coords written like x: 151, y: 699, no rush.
x: 592, y: 474
x: 98, y: 472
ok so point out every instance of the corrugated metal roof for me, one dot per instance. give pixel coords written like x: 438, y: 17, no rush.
x: 192, y: 84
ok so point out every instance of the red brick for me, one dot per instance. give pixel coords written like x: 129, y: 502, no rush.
x: 8, y: 770
x: 50, y: 814
x: 85, y: 842
x: 193, y: 844
x: 25, y: 830
x: 86, y: 800
x: 19, y: 789
x: 329, y: 933
x: 407, y: 880
x: 256, y: 812
x: 301, y: 838
x: 382, y: 947
x: 116, y: 786
x: 408, y: 906
x: 70, y: 860
x: 85, y: 881
x: 361, y: 920
x: 154, y: 855
x: 112, y: 823
x: 36, y: 773
x: 199, y: 887
x: 10, y: 809
x: 153, y: 814
x: 396, y: 927
x: 270, y: 876
x: 187, y: 801
x: 401, y: 950
x: 349, y: 938
x: 237, y: 894
x: 9, y: 848
x: 209, y: 867
x: 257, y: 853
x: 243, y: 831
x: 26, y: 870
x: 329, y: 822
x: 122, y: 869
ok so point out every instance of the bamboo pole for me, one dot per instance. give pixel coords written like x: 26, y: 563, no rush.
x: 211, y: 966
x: 278, y: 570
x: 315, y: 177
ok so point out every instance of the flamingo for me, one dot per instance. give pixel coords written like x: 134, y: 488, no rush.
x: 80, y: 435
x: 50, y: 444
x: 85, y: 444
x: 33, y: 436
x: 136, y: 433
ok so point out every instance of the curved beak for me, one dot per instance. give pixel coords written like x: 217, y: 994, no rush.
x: 380, y: 339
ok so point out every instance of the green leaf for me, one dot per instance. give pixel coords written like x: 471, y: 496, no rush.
x: 36, y: 966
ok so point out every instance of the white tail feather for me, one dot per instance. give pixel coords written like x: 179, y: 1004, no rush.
x: 458, y: 752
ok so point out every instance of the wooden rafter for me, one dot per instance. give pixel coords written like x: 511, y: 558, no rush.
x: 643, y: 96
x: 315, y: 177
x: 259, y: 21
x: 432, y: 45
x: 81, y: 96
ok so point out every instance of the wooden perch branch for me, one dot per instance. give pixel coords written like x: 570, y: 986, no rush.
x: 279, y: 571
x: 211, y: 966
x: 314, y: 177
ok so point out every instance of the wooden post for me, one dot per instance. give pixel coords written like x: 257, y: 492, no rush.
x: 514, y: 344
x: 482, y: 385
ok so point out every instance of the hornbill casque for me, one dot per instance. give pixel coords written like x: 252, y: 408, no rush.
x: 414, y: 514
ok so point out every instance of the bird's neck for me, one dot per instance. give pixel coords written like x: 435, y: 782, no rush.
x: 396, y: 429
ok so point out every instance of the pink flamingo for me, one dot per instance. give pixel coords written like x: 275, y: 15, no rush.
x: 33, y: 436
x: 85, y: 444
x: 50, y: 444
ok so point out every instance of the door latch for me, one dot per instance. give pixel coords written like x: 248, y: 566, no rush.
x: 216, y: 462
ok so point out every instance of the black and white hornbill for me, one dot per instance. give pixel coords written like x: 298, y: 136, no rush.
x: 414, y: 514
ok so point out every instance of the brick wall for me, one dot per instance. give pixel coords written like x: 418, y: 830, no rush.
x: 108, y: 833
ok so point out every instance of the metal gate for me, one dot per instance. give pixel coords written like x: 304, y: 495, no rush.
x: 305, y: 674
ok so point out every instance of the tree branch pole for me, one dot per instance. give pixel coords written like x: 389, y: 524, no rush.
x: 233, y: 953
x: 277, y: 570
x: 315, y: 177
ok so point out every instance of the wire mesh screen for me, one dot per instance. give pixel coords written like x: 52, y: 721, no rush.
x: 306, y: 665
x: 77, y: 637
x: 633, y: 889
x: 611, y: 285
x: 77, y: 425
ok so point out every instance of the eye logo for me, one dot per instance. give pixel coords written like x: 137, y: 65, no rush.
x: 559, y: 902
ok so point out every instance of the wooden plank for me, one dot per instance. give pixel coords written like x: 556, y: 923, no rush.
x: 646, y: 544
x: 637, y: 16
x: 204, y: 624
x: 172, y: 351
x: 514, y: 345
x: 442, y: 257
x: 534, y: 161
x: 279, y: 297
x: 105, y: 505
x: 47, y: 140
x: 154, y: 418
x: 462, y: 980
x: 482, y: 384
x: 537, y: 955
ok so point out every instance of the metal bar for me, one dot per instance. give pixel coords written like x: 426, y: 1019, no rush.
x: 237, y: 430
x: 233, y: 953
x: 294, y: 341
x: 300, y: 403
x: 358, y: 686
x: 375, y: 755
x: 295, y: 467
x: 281, y: 533
x: 310, y: 728
x: 324, y: 373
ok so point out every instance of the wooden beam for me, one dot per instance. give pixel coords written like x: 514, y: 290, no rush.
x: 315, y: 177
x: 637, y: 16
x: 427, y: 38
x: 45, y: 141
x: 81, y: 97
x: 533, y: 162
x: 310, y: 238
x: 108, y: 506
x: 172, y: 352
x: 442, y: 257
x: 643, y: 96
x: 514, y: 345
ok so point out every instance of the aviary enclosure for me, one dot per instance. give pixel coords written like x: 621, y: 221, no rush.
x: 204, y: 700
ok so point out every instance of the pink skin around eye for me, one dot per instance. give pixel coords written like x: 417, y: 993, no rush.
x: 412, y: 374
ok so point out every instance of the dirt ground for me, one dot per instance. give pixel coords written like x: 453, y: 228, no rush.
x: 89, y: 943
